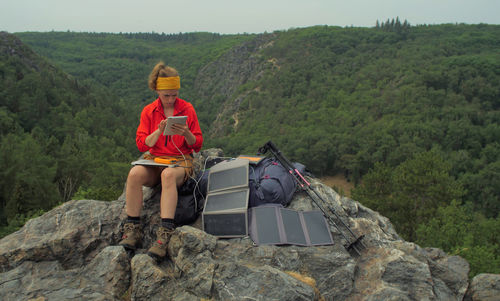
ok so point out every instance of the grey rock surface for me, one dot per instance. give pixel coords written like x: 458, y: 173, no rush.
x: 106, y: 277
x: 70, y: 253
x: 484, y: 287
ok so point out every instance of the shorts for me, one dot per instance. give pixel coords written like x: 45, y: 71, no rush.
x: 186, y: 162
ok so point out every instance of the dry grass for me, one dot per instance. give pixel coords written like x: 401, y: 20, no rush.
x: 339, y: 184
x: 307, y: 280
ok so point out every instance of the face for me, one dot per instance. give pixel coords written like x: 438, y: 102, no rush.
x: 168, y: 97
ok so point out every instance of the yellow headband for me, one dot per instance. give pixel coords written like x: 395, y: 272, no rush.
x: 168, y: 83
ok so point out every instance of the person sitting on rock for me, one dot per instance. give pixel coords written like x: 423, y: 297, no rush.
x: 186, y: 139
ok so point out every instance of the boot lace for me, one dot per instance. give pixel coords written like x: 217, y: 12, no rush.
x: 163, y: 235
x: 128, y: 227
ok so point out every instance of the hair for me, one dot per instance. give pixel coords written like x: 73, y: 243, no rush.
x: 160, y: 70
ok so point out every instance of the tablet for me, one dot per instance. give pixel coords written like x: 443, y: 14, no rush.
x: 171, y: 120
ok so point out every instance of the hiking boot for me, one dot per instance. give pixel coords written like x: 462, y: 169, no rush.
x: 132, y: 236
x: 159, y: 248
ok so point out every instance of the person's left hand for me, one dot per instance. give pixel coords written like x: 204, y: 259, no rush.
x: 180, y: 129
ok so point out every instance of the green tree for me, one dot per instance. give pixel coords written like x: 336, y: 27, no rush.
x: 459, y: 230
x: 410, y: 193
x: 421, y: 185
x: 26, y: 176
x: 376, y: 190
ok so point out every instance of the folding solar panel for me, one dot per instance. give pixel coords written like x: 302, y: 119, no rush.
x: 264, y: 225
x: 226, y: 224
x: 317, y: 228
x: 278, y: 225
x: 292, y: 226
x: 225, y: 213
x: 228, y: 175
x: 229, y: 200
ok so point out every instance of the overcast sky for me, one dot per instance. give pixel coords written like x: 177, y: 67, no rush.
x: 232, y: 16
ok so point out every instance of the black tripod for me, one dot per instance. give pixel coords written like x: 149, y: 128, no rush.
x: 354, y: 242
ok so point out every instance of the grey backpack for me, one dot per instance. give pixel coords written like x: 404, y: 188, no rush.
x: 270, y: 182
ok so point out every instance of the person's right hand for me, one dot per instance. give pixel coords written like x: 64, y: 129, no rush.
x: 162, y: 125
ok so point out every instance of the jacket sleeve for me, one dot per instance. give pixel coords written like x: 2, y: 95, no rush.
x: 143, y: 132
x: 194, y: 127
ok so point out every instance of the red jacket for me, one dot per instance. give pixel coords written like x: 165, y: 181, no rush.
x: 151, y: 116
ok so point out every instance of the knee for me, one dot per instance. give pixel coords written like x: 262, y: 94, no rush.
x: 136, y: 175
x: 168, y: 177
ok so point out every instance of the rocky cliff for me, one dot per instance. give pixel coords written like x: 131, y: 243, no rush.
x: 71, y: 253
x: 219, y: 83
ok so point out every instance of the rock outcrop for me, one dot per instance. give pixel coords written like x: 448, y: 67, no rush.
x: 484, y: 287
x: 71, y: 253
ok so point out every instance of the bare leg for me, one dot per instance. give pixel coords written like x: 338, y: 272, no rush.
x: 138, y: 176
x: 171, y: 178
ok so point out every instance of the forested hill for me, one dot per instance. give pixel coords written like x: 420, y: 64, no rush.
x: 58, y: 136
x: 412, y: 112
x: 122, y: 62
x: 341, y: 99
x: 337, y: 99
